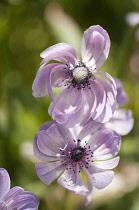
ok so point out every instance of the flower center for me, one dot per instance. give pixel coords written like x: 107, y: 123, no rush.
x: 80, y: 75
x: 77, y: 154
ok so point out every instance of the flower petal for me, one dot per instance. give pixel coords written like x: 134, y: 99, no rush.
x: 121, y: 97
x: 95, y: 46
x: 100, y: 178
x: 73, y: 181
x: 61, y: 52
x: 89, y: 128
x: 40, y: 86
x: 107, y: 164
x: 4, y: 183
x: 104, y: 144
x: 48, y: 172
x: 122, y: 122
x: 27, y: 201
x: 68, y: 107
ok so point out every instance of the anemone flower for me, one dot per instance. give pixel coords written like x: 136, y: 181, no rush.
x: 86, y: 92
x: 66, y: 156
x: 15, y: 198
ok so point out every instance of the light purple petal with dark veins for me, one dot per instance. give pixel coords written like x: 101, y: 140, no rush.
x: 91, y: 104
x: 64, y: 132
x: 41, y: 150
x: 48, y: 172
x: 12, y: 196
x: 104, y: 144
x: 122, y: 121
x: 107, y: 164
x: 27, y: 201
x: 60, y: 52
x: 4, y: 183
x: 121, y: 97
x: 73, y: 181
x: 101, y: 98
x: 95, y: 46
x: 100, y: 178
x: 68, y: 107
x: 40, y: 84
x: 90, y: 127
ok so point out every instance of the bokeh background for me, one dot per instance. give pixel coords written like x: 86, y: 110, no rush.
x: 27, y: 27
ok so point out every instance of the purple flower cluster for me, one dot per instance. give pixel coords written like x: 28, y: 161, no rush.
x: 15, y: 198
x: 85, y: 134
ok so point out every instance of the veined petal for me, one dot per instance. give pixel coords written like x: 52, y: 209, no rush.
x: 107, y: 164
x: 122, y: 121
x: 73, y: 181
x: 101, y: 98
x: 12, y: 196
x: 104, y: 144
x: 121, y: 97
x: 68, y: 107
x: 40, y: 84
x: 27, y: 201
x: 95, y: 46
x: 48, y: 172
x: 100, y: 178
x: 89, y: 128
x: 61, y: 52
x: 91, y: 104
x: 4, y: 183
x: 42, y: 152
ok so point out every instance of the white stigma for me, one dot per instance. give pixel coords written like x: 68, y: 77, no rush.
x: 80, y: 74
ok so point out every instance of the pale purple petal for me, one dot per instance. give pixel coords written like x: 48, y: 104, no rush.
x: 19, y: 199
x: 104, y: 144
x: 68, y: 107
x: 27, y: 201
x: 73, y: 181
x: 64, y: 132
x: 100, y: 178
x: 61, y: 52
x: 95, y: 46
x: 48, y: 172
x: 12, y: 196
x: 121, y: 97
x: 40, y: 84
x: 42, y: 152
x: 4, y: 182
x: 122, y: 121
x: 89, y: 128
x: 107, y: 164
x: 90, y: 101
x: 101, y: 98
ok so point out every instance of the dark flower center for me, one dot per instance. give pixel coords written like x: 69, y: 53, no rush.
x: 77, y: 154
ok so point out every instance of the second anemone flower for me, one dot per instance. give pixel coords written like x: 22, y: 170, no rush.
x: 66, y: 155
x: 87, y: 92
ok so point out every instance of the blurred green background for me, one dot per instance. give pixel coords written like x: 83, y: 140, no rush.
x: 27, y: 27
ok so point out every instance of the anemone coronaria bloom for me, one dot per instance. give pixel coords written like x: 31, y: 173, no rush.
x: 66, y: 152
x: 86, y: 92
x: 15, y: 198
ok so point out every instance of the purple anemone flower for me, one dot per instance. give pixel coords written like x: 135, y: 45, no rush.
x: 122, y: 121
x: 66, y: 155
x: 86, y: 91
x: 15, y: 198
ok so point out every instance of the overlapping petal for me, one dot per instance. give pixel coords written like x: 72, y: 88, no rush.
x: 121, y: 98
x: 104, y: 144
x: 73, y: 181
x: 60, y: 52
x: 122, y: 121
x: 4, y: 182
x: 95, y: 46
